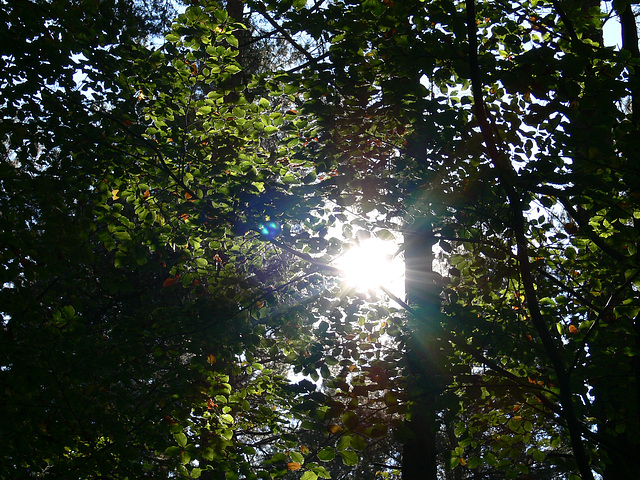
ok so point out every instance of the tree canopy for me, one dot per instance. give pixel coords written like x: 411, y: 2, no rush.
x: 169, y: 209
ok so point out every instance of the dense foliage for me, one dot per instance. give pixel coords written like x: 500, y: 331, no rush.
x: 168, y: 210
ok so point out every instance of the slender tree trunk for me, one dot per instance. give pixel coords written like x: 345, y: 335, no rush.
x: 456, y: 473
x: 508, y: 180
x: 630, y: 43
x: 622, y: 457
x: 420, y: 455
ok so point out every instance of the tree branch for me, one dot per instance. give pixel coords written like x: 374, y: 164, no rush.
x: 568, y: 24
x: 285, y: 34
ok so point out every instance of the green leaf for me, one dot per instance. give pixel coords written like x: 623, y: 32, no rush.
x: 289, y: 179
x: 350, y: 420
x: 321, y: 472
x: 358, y: 443
x: 385, y: 234
x: 264, y: 103
x: 208, y: 454
x: 309, y: 475
x: 344, y: 442
x: 349, y: 457
x: 172, y: 451
x: 227, y: 418
x: 326, y: 454
x: 181, y: 439
x: 233, y: 41
x: 465, y: 442
x: 375, y: 6
x: 515, y: 425
x: 538, y: 456
x: 202, y: 262
x: 109, y: 243
x: 297, y: 457
x: 221, y: 15
x: 123, y: 236
x: 172, y: 37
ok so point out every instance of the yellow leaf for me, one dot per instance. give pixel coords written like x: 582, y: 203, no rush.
x: 462, y: 461
x: 211, y: 359
x: 114, y: 194
x: 335, y: 428
x: 293, y: 466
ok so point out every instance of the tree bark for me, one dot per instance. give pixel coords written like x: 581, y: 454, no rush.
x: 420, y: 455
x: 235, y: 9
x: 630, y: 43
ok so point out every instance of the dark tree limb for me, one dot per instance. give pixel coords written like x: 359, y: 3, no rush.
x: 263, y: 11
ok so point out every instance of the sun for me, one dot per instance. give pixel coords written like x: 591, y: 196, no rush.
x: 371, y: 264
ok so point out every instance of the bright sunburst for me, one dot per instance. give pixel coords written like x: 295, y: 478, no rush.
x: 371, y: 264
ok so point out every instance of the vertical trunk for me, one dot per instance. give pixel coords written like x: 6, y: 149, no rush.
x: 630, y: 43
x: 624, y: 445
x: 622, y: 457
x: 419, y: 456
x: 630, y: 443
x: 452, y: 441
x: 235, y: 9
